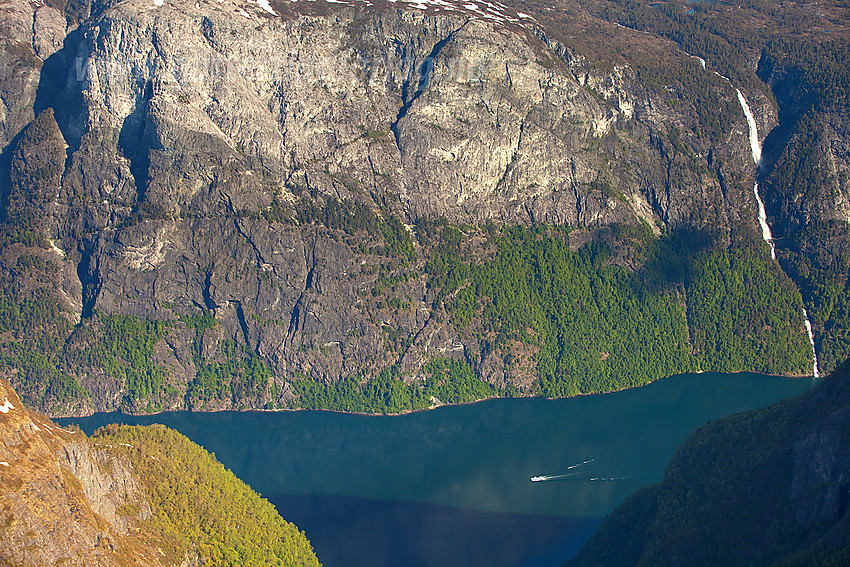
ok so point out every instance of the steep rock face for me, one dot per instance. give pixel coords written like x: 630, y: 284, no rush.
x: 197, y: 117
x: 60, y: 499
x: 807, y: 193
x: 293, y: 296
x: 203, y: 109
x: 197, y: 134
x: 28, y: 34
x: 820, y: 462
x: 31, y: 33
x: 317, y: 102
x: 108, y: 484
x: 36, y: 169
x: 809, y: 182
x: 806, y: 163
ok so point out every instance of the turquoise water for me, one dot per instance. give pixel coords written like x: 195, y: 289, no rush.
x: 472, y: 462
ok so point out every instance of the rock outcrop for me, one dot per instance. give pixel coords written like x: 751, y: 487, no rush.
x: 68, y: 499
x: 62, y: 500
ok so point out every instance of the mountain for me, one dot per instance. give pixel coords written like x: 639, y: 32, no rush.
x: 382, y: 206
x: 128, y: 496
x: 766, y: 487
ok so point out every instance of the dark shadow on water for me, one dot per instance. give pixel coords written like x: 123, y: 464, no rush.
x: 360, y: 532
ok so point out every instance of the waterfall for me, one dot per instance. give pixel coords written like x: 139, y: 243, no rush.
x: 765, y: 228
x: 751, y: 122
x: 756, y: 149
x: 808, y: 324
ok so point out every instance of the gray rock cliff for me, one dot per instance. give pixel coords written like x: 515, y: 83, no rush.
x: 195, y: 131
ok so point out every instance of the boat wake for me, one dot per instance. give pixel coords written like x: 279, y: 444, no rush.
x: 545, y: 477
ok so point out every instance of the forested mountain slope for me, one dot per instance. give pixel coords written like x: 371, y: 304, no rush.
x: 128, y: 496
x: 766, y: 487
x: 383, y: 206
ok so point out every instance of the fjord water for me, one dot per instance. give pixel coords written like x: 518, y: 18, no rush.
x: 451, y: 486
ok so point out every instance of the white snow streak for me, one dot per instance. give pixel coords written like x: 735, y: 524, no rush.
x: 477, y: 9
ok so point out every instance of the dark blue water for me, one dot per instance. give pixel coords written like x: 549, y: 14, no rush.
x: 452, y: 486
x: 372, y: 533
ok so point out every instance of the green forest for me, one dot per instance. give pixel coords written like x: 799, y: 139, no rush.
x: 595, y: 326
x: 589, y: 324
x: 199, y: 505
x: 600, y: 327
x: 723, y: 497
x: 447, y: 381
x: 238, y: 373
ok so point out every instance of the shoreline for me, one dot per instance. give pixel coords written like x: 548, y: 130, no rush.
x: 434, y: 407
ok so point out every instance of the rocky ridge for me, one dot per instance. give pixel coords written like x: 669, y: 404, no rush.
x: 74, y: 500
x: 63, y: 500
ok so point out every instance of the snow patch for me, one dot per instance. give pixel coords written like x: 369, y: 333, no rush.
x: 7, y: 405
x: 496, y: 12
x: 264, y: 4
x: 4, y: 463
